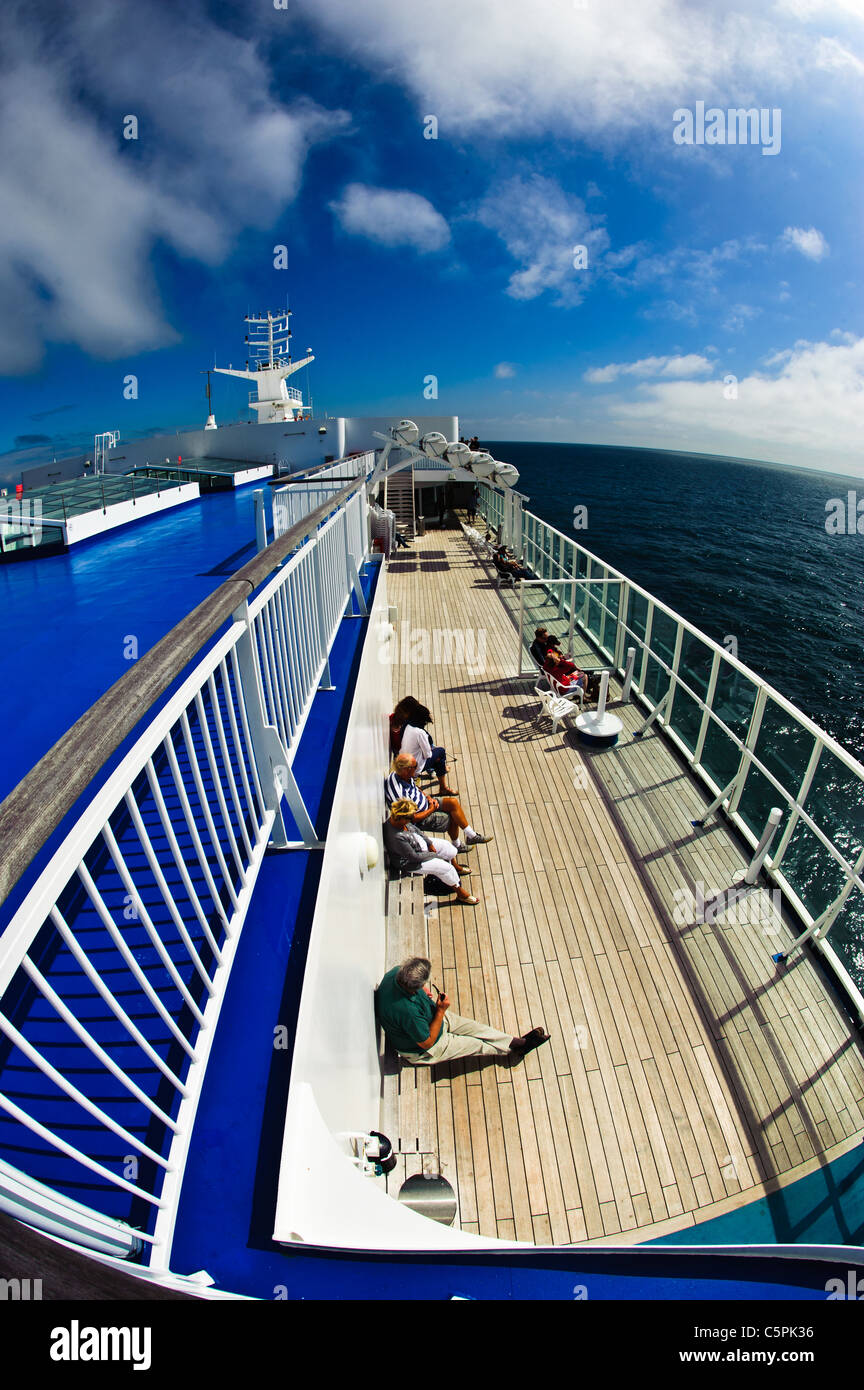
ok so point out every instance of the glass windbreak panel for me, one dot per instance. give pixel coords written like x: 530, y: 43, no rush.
x: 734, y: 698
x: 784, y: 746
x: 656, y: 681
x: 663, y: 633
x: 847, y: 936
x: 814, y: 874
x: 560, y: 556
x: 594, y: 620
x: 836, y: 803
x: 694, y: 664
x: 758, y: 798
x: 720, y: 756
x: 637, y: 616
x: 686, y: 718
x: 543, y: 557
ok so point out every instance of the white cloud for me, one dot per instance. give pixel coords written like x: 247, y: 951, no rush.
x: 739, y: 316
x: 806, y: 407
x: 814, y: 9
x: 505, y: 370
x: 687, y: 365
x: 810, y: 242
x: 391, y: 216
x: 83, y: 209
x: 832, y: 55
x: 542, y: 226
x: 598, y: 73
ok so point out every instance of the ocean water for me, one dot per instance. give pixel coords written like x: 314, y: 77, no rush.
x: 741, y: 550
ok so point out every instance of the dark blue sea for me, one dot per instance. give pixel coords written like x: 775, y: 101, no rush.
x: 741, y: 550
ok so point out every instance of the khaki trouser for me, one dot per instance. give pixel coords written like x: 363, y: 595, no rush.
x: 462, y: 1037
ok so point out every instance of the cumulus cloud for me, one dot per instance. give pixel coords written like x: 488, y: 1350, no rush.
x: 810, y: 242
x: 805, y: 406
x: 391, y: 216
x: 686, y: 365
x: 598, y: 73
x: 543, y: 228
x: 504, y: 370
x: 83, y: 209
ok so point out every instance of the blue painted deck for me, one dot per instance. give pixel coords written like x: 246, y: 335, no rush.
x: 66, y: 620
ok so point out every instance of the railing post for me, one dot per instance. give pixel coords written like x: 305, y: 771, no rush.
x: 749, y: 745
x: 274, y: 771
x: 260, y: 520
x: 621, y: 627
x: 628, y: 676
x: 825, y: 921
x: 673, y: 676
x: 521, y: 620
x: 794, y: 813
x: 326, y: 680
x: 705, y: 722
x: 775, y: 816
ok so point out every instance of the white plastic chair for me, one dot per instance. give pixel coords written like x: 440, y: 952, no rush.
x: 553, y: 707
x: 567, y: 692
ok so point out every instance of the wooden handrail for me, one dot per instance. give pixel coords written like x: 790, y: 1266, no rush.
x: 34, y: 809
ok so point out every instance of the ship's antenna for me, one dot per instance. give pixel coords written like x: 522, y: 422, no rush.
x: 211, y: 418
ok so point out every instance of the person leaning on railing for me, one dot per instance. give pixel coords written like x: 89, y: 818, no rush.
x: 437, y: 813
x: 410, y: 852
x: 423, y: 1032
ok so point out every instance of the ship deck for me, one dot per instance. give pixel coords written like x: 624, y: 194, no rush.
x: 687, y: 1074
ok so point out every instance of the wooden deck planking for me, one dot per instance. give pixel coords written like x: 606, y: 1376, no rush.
x: 684, y: 1071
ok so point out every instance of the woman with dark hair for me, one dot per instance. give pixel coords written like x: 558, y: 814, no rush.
x: 408, y: 732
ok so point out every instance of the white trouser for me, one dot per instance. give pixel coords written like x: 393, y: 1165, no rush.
x: 442, y: 865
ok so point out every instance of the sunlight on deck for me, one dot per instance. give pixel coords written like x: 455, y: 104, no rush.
x: 687, y: 1074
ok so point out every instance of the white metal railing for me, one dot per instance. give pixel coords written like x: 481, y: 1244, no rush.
x: 745, y: 741
x: 297, y: 499
x: 146, y: 899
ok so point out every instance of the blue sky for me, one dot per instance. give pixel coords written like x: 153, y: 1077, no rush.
x: 716, y: 305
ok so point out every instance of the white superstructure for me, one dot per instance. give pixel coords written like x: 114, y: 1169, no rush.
x: 269, y: 340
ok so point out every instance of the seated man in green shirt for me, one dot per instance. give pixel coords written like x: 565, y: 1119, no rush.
x: 423, y: 1033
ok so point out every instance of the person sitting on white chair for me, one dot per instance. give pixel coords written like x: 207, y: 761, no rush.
x: 564, y: 675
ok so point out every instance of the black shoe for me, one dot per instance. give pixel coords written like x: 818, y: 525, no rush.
x: 536, y: 1038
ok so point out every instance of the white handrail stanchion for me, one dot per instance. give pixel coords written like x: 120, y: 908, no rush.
x: 774, y: 818
x: 604, y: 690
x: 628, y: 675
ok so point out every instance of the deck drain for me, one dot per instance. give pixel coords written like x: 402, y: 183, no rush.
x: 432, y: 1197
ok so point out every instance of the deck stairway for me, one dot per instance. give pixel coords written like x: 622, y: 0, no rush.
x: 399, y: 499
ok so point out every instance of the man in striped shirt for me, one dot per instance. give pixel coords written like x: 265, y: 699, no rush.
x: 439, y: 813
